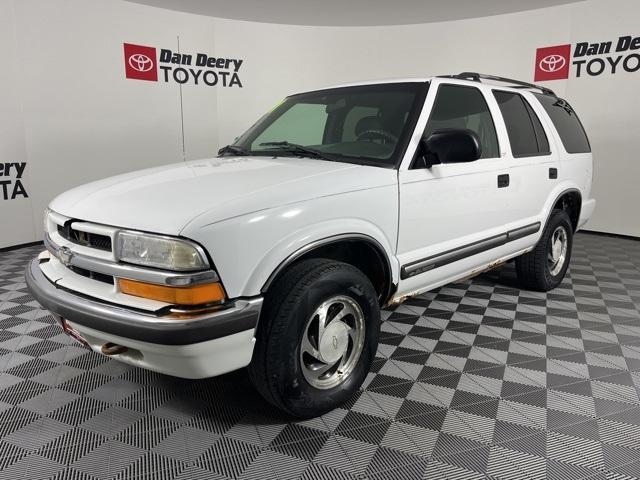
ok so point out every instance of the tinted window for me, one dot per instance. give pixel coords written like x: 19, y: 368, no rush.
x: 368, y: 124
x: 526, y: 135
x: 567, y: 123
x: 457, y: 106
x: 541, y: 136
x: 303, y: 124
x: 352, y: 119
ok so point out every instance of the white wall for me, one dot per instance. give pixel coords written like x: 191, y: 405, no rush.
x: 16, y: 216
x: 609, y: 107
x: 68, y: 111
x: 283, y: 60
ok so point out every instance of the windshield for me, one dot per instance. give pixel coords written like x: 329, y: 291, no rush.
x: 368, y: 124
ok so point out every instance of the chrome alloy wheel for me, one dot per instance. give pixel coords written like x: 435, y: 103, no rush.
x: 332, y: 341
x: 558, y: 250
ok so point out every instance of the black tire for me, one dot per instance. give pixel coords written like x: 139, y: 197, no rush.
x: 533, y: 268
x: 276, y: 369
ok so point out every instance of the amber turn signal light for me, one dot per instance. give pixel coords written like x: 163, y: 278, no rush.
x: 192, y: 295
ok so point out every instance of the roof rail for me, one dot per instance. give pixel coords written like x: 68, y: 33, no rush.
x: 477, y: 77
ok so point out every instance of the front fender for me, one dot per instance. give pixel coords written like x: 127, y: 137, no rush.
x: 305, y: 240
x: 247, y: 249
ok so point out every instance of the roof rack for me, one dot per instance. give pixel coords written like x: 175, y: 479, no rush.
x: 477, y: 77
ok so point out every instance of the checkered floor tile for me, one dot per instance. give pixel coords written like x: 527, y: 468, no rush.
x: 478, y: 379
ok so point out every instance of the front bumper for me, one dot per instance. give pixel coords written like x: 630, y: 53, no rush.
x: 204, y: 345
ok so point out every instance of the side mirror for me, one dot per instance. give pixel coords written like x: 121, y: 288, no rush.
x: 451, y: 146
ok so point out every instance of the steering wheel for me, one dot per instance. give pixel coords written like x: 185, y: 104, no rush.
x: 385, y: 136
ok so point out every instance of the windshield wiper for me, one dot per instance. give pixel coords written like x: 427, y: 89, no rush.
x: 298, y: 149
x: 233, y: 150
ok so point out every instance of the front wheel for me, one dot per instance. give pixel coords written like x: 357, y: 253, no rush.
x: 544, y: 267
x: 316, y: 338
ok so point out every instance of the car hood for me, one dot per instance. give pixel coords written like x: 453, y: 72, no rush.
x: 165, y: 199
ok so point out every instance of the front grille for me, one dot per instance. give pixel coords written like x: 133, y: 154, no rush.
x: 100, y: 277
x: 93, y: 240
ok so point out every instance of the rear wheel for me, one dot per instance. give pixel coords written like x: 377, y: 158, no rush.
x: 544, y: 267
x: 317, y: 337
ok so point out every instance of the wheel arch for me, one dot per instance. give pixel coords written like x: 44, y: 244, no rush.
x: 569, y: 200
x: 360, y: 250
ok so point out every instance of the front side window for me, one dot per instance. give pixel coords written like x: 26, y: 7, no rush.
x: 526, y: 134
x: 457, y: 106
x: 368, y: 124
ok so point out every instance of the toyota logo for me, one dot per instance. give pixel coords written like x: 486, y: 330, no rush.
x: 140, y: 62
x: 552, y: 63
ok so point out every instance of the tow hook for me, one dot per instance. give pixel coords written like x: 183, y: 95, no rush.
x: 112, y: 349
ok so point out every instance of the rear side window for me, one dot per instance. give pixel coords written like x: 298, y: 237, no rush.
x: 457, y: 106
x: 567, y: 123
x: 526, y: 135
x: 541, y: 136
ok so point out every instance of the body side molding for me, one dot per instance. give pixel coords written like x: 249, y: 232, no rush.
x: 453, y: 255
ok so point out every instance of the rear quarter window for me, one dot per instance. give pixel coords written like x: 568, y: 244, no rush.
x: 567, y: 123
x: 526, y: 135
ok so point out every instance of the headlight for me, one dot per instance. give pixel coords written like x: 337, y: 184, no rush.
x: 160, y: 252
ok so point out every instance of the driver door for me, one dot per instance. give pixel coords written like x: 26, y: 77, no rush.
x: 447, y: 211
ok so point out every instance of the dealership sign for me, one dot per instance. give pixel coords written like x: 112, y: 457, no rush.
x: 142, y: 62
x: 592, y: 59
x: 11, y: 186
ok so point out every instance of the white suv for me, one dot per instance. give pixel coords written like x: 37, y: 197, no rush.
x: 279, y: 253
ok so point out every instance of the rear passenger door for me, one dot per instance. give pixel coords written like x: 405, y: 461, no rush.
x: 532, y: 163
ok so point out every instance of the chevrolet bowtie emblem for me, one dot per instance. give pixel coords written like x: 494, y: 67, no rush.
x: 65, y: 255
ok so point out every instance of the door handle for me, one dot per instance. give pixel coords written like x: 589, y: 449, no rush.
x: 503, y: 180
